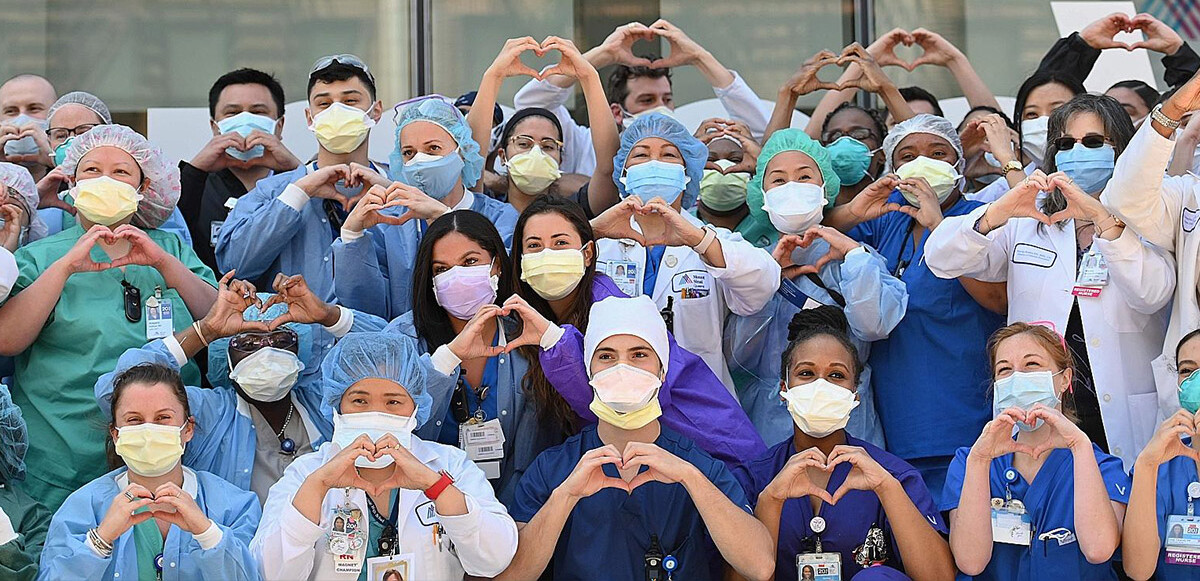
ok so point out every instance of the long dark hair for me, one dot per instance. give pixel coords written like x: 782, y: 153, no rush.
x: 1117, y: 127
x: 551, y: 406
x: 1037, y: 80
x: 143, y: 373
x: 430, y: 319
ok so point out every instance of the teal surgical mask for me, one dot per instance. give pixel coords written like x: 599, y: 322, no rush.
x: 60, y: 152
x: 850, y: 159
x: 1189, y: 393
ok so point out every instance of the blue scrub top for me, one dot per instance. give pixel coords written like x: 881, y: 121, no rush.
x: 934, y: 363
x: 449, y: 433
x: 607, y: 534
x: 847, y: 522
x: 1050, y: 500
x: 1174, y: 476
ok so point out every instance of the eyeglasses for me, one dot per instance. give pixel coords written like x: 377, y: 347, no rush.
x: 1091, y: 141
x: 63, y: 133
x: 246, y: 342
x: 526, y: 143
x: 861, y: 134
x: 398, y: 106
x: 344, y: 59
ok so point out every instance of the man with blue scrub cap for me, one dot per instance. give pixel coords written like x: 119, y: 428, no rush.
x: 800, y: 182
x: 435, y: 162
x: 426, y: 501
x: 287, y: 223
x: 18, y: 207
x: 264, y: 410
x: 699, y: 274
x: 23, y: 520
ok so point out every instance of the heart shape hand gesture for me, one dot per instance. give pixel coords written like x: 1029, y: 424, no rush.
x: 800, y: 477
x: 1167, y: 442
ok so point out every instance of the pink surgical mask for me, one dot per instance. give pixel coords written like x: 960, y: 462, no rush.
x: 462, y: 290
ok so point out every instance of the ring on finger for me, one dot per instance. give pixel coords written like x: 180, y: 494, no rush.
x: 129, y: 496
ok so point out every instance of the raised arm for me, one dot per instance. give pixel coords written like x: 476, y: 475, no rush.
x: 802, y: 82
x: 882, y: 50
x: 507, y: 64
x: 940, y: 52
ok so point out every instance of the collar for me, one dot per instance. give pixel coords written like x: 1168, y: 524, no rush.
x: 467, y: 201
x: 189, y: 481
x: 243, y: 409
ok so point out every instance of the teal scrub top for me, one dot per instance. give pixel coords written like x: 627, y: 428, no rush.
x: 31, y: 520
x: 83, y: 337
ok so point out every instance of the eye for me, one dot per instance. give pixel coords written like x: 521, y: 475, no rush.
x: 804, y: 373
x: 606, y: 357
x: 470, y: 261
x: 777, y: 181
x: 533, y: 245
x: 1003, y: 370
x: 392, y: 402
x: 359, y: 401
x: 640, y: 355
x: 439, y: 269
x: 837, y: 375
x: 669, y: 101
x: 561, y: 243
x: 435, y: 147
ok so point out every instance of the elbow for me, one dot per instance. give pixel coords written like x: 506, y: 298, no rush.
x: 969, y: 567
x: 1098, y: 555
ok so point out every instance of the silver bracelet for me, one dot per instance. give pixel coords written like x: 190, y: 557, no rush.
x: 104, y: 547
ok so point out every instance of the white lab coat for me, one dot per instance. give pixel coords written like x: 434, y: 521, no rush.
x: 1164, y: 210
x: 748, y: 281
x: 1124, y: 326
x: 290, y: 547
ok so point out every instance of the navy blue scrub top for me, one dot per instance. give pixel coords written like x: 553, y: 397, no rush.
x: 1174, y: 476
x: 607, y: 534
x: 1050, y: 500
x: 847, y: 522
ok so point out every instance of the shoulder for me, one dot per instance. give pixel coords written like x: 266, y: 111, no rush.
x: 403, y: 325
x: 686, y: 449
x: 963, y: 206
x: 215, y: 486
x: 493, y: 207
x: 97, y: 493
x: 757, y: 473
x: 51, y: 246
x: 890, y: 462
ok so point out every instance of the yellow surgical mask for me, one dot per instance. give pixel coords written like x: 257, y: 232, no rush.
x: 150, y: 449
x: 533, y: 171
x: 941, y: 176
x: 553, y: 274
x: 630, y: 421
x: 341, y: 128
x: 105, y: 201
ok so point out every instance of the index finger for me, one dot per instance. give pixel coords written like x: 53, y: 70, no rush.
x: 224, y: 282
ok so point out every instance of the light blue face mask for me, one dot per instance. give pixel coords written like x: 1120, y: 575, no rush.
x: 431, y: 174
x: 1090, y: 168
x: 850, y: 159
x: 1189, y: 393
x: 655, y: 179
x: 60, y: 152
x: 244, y: 124
x: 24, y: 145
x: 1024, y: 389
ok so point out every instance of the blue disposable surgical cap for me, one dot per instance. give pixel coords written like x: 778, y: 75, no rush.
x: 448, y: 117
x: 695, y: 154
x: 389, y: 356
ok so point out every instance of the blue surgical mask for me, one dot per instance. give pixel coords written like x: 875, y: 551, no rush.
x: 1189, y: 393
x: 60, y: 152
x: 1024, y: 389
x: 991, y: 160
x: 850, y: 159
x: 434, y: 175
x: 655, y: 179
x: 244, y: 124
x: 1090, y: 168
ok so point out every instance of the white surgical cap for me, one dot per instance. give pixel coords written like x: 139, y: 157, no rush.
x: 923, y: 123
x: 636, y: 316
x: 17, y: 177
x: 84, y: 99
x: 158, y: 200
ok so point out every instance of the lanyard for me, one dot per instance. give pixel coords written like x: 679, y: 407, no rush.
x: 654, y: 256
x: 901, y: 262
x: 389, y: 539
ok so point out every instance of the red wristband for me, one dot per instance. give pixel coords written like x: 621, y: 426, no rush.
x: 433, y: 492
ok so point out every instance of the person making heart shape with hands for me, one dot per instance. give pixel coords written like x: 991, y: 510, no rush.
x: 1071, y: 494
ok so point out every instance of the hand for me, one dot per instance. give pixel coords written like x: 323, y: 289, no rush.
x: 276, y: 155
x: 120, y: 517
x: 682, y: 49
x: 419, y: 204
x: 996, y: 439
x: 7, y: 133
x: 535, y: 325
x: 475, y: 341
x: 1186, y: 98
x: 839, y: 246
x: 661, y: 224
x: 1019, y: 202
x: 366, y: 212
x: 873, y: 202
x: 588, y: 477
x: 303, y: 305
x: 871, y: 77
x: 938, y: 50
x: 14, y: 218
x: 929, y: 214
x: 1063, y: 433
x: 320, y: 184
x: 406, y: 471
x: 883, y: 50
x: 212, y: 156
x: 805, y: 81
x: 614, y: 223
x: 1080, y: 206
x: 79, y: 257
x: 662, y: 466
x: 226, y: 318
x: 44, y: 155
x: 1159, y: 37
x: 1189, y: 133
x: 865, y: 472
x: 172, y: 504
x: 1099, y: 34
x: 48, y: 191
x: 361, y: 175
x: 508, y: 62
x: 1167, y: 443
x: 340, y: 472
x: 999, y: 137
x: 617, y: 49
x: 142, y: 250
x: 794, y: 480
x: 572, y: 64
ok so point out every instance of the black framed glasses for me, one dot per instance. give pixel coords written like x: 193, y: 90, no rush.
x: 860, y: 133
x: 253, y: 341
x: 64, y: 133
x: 1090, y: 141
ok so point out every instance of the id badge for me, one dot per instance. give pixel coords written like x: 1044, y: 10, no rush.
x: 819, y: 566
x: 625, y: 274
x: 1182, y: 543
x: 214, y: 231
x: 482, y: 441
x: 159, y: 314
x: 347, y: 539
x: 1010, y: 525
x: 386, y: 568
x: 1093, y: 270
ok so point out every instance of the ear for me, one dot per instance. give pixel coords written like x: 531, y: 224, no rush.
x: 616, y: 111
x: 589, y: 254
x: 145, y: 185
x: 376, y: 111
x: 215, y: 130
x: 1068, y: 377
x: 189, y: 430
x: 112, y: 433
x: 308, y: 115
x: 279, y: 127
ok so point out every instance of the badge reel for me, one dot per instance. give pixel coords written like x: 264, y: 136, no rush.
x: 1093, y: 275
x: 347, y: 537
x: 819, y: 565
x: 1011, y: 523
x: 659, y: 566
x: 1182, y: 543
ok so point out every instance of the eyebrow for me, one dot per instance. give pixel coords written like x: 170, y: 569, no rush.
x: 359, y: 392
x: 469, y: 253
x: 1187, y: 361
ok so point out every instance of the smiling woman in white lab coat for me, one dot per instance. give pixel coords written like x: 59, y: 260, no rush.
x: 1070, y: 262
x: 377, y: 497
x: 698, y: 273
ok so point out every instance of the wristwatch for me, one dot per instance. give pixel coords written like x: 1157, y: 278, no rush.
x: 1012, y: 165
x: 433, y: 492
x: 709, y: 236
x: 1156, y: 114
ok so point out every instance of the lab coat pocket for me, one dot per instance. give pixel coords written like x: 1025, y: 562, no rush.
x: 1143, y: 416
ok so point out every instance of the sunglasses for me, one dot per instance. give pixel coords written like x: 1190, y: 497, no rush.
x: 247, y: 342
x: 1093, y: 141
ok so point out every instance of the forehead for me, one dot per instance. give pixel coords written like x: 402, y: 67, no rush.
x: 724, y: 147
x: 623, y: 343
x: 108, y: 155
x: 791, y: 160
x: 27, y: 90
x: 419, y: 132
x: 74, y: 114
x: 549, y: 223
x: 1123, y: 94
x: 821, y: 350
x: 246, y: 94
x: 537, y: 127
x: 147, y: 398
x: 924, y: 141
x: 654, y: 143
x: 1019, y: 346
x: 643, y: 85
x: 335, y: 88
x: 453, y: 245
x: 1083, y: 123
x: 1049, y: 93
x: 851, y: 118
x: 378, y: 386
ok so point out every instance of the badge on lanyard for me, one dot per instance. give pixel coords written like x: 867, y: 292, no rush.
x: 347, y: 537
x: 1093, y: 275
x: 386, y: 568
x: 1183, y: 533
x: 1011, y: 523
x: 214, y: 232
x: 484, y: 444
x: 158, y: 316
x: 819, y: 565
x: 625, y: 274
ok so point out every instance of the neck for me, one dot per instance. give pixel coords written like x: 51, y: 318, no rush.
x: 249, y: 176
x: 376, y: 476
x: 275, y: 412
x: 519, y: 199
x: 152, y: 483
x: 610, y: 434
x: 327, y: 158
x: 562, y: 307
x: 802, y: 441
x: 456, y: 195
x: 951, y: 200
x: 847, y: 193
x: 727, y: 220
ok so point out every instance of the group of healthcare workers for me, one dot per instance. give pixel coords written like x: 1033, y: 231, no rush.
x: 880, y: 346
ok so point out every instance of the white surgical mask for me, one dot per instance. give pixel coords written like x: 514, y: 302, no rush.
x: 626, y: 388
x: 795, y: 206
x: 819, y: 407
x: 1034, y: 133
x: 376, y: 425
x: 267, y: 374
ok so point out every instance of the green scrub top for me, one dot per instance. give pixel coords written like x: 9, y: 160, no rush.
x: 84, y: 336
x: 30, y: 520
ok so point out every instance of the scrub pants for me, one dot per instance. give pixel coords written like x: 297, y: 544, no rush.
x: 933, y: 471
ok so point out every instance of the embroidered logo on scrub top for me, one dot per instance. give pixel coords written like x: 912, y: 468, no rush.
x: 691, y: 284
x: 1189, y: 219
